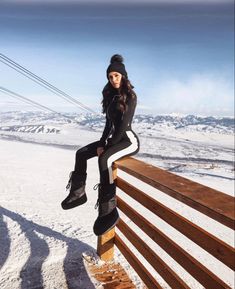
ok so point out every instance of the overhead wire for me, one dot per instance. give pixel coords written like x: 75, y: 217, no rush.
x: 22, y: 70
x: 34, y: 80
x: 31, y: 102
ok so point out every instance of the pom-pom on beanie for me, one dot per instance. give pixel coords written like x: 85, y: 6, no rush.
x: 116, y: 64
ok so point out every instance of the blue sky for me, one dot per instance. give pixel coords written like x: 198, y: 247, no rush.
x: 179, y: 54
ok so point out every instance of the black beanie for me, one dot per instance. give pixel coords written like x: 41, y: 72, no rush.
x: 116, y: 64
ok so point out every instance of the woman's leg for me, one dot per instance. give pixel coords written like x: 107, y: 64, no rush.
x: 108, y: 213
x: 127, y: 147
x: 82, y: 155
x: 77, y: 195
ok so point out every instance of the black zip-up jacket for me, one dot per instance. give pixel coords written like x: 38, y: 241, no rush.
x: 117, y: 120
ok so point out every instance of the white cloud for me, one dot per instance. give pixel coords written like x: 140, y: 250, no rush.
x: 144, y: 107
x: 206, y: 94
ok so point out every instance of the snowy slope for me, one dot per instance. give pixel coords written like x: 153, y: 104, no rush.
x: 41, y: 245
x: 173, y: 142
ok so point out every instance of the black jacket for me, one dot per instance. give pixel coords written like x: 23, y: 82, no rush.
x: 117, y: 120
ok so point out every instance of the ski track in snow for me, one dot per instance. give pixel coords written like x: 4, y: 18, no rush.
x: 42, y: 245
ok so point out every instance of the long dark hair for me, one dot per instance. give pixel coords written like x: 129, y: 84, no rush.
x: 125, y: 92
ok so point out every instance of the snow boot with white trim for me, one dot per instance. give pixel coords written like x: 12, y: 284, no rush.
x: 108, y: 214
x: 77, y: 195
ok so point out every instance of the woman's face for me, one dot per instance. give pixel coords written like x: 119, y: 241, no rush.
x: 115, y: 79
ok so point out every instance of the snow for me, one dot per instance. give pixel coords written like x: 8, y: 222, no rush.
x: 44, y: 240
x: 43, y: 246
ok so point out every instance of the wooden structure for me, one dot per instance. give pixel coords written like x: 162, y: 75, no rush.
x: 215, y: 204
x: 111, y: 275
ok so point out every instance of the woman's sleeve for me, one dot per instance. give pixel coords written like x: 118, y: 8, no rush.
x: 123, y: 121
x: 106, y: 132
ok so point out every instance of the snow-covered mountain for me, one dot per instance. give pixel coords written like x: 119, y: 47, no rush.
x: 177, y: 143
x: 30, y: 128
x: 42, y: 122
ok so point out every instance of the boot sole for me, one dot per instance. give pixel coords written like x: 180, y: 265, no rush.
x: 101, y: 223
x: 114, y: 225
x: 79, y: 202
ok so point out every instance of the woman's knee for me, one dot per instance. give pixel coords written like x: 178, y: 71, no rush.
x: 81, y: 152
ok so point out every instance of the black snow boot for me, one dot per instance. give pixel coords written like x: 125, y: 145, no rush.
x: 77, y: 195
x: 108, y: 213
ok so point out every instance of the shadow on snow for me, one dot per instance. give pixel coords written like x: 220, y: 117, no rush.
x: 31, y: 274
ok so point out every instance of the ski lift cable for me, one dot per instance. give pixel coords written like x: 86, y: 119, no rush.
x: 26, y: 71
x: 39, y: 83
x: 17, y: 97
x: 29, y: 101
x: 43, y: 81
x: 25, y: 99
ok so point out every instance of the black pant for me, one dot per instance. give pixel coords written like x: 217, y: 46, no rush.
x: 129, y: 145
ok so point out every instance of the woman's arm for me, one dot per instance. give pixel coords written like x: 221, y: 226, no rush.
x: 106, y: 132
x: 123, y: 121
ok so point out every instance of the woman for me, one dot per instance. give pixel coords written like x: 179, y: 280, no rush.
x: 118, y: 140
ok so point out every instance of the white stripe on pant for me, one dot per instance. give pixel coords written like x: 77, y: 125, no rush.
x: 130, y: 149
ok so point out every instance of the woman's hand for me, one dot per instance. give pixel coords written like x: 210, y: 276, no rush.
x: 100, y: 151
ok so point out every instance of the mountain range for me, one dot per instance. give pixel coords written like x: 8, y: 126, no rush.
x: 44, y: 122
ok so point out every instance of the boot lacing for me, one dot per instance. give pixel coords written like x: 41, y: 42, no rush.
x: 70, y: 181
x: 97, y: 186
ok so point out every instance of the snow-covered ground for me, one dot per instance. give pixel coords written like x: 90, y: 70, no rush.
x: 42, y: 245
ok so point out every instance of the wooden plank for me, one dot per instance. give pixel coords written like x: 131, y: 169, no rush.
x: 105, y: 245
x: 210, y: 202
x: 114, y: 169
x: 207, y: 241
x: 158, y: 264
x: 111, y: 275
x: 147, y: 278
x: 189, y: 263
